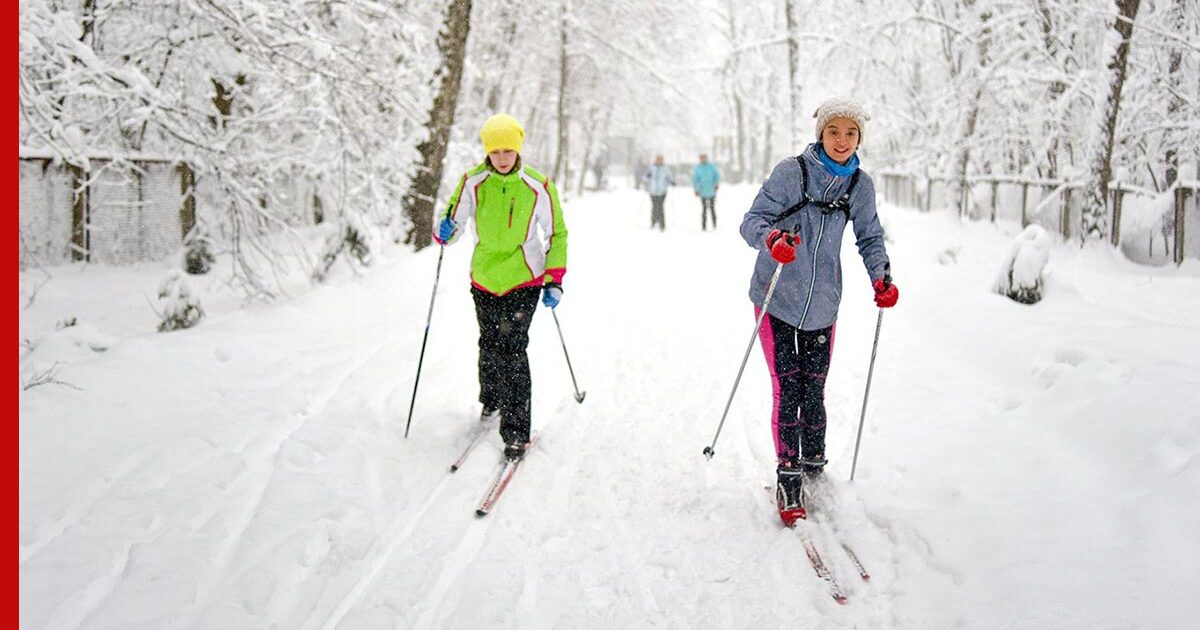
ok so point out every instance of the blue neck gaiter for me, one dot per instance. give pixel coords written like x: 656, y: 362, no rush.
x: 840, y: 170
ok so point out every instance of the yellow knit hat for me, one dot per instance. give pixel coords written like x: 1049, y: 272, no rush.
x: 502, y: 131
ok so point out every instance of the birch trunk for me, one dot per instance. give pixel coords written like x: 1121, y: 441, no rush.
x: 1096, y: 197
x: 418, y: 202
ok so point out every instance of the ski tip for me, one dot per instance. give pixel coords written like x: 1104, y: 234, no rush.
x: 841, y: 600
x: 480, y: 513
x: 453, y: 467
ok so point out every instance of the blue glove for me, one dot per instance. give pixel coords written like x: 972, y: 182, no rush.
x: 446, y: 230
x: 551, y: 294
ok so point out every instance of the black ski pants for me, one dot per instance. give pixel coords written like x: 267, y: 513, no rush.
x: 657, y: 214
x: 799, y: 362
x: 504, y: 381
x: 708, y: 207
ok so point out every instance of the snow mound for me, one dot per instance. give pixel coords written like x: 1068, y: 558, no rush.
x: 1021, y: 276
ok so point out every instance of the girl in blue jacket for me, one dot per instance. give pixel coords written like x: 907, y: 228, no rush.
x: 796, y: 222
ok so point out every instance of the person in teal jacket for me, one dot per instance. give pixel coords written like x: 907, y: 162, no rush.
x: 520, y: 253
x: 706, y: 179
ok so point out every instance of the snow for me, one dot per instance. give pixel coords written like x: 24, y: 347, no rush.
x: 1021, y: 466
x: 1020, y: 276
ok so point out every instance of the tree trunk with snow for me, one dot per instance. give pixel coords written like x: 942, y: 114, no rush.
x: 422, y: 193
x: 560, y: 159
x: 739, y: 115
x: 793, y: 45
x: 1175, y: 103
x: 1096, y: 197
x: 1056, y: 88
x: 972, y: 116
x: 739, y: 142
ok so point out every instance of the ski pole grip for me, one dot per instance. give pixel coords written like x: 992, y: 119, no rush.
x: 887, y: 275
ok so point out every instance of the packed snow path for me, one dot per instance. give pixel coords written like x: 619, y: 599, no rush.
x: 1020, y: 465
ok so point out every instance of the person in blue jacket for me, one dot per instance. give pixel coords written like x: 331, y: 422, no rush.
x: 658, y: 180
x: 796, y: 222
x: 705, y: 181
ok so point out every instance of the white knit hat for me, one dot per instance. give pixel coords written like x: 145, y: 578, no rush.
x: 841, y: 107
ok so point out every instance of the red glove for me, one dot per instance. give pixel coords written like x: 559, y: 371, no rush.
x: 886, y: 294
x: 782, y: 245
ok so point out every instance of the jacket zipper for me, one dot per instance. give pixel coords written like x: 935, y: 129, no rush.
x: 511, y: 201
x: 812, y: 283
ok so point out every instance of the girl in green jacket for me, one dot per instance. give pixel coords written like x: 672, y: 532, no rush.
x: 520, y: 252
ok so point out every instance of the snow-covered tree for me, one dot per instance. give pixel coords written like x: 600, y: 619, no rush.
x: 272, y: 104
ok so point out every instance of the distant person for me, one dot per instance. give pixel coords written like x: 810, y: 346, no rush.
x: 658, y: 180
x: 520, y: 253
x: 796, y: 223
x: 705, y: 181
x: 598, y: 172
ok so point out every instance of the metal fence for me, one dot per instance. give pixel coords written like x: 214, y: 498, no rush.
x: 1155, y: 230
x: 110, y: 213
x: 136, y: 209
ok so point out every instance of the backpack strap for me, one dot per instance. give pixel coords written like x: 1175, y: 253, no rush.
x: 841, y: 204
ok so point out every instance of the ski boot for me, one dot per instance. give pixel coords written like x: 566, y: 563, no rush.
x: 813, y: 465
x: 515, y: 450
x: 789, y: 494
x: 515, y: 435
x: 489, y: 414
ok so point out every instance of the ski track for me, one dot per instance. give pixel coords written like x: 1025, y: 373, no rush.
x: 454, y: 565
x: 217, y: 574
x: 399, y: 532
x: 95, y: 594
x: 76, y: 512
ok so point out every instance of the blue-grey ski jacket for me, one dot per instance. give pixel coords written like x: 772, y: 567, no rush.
x: 810, y: 288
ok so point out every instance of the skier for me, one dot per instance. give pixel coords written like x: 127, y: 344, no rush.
x: 658, y: 180
x: 520, y: 253
x: 705, y: 181
x: 797, y: 221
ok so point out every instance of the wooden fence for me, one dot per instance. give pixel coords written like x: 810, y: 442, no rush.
x: 1040, y: 201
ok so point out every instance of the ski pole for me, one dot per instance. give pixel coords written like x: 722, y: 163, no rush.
x: 578, y: 394
x: 708, y: 450
x: 887, y: 279
x: 436, y: 276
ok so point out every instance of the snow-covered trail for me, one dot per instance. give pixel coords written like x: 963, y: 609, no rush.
x: 252, y: 472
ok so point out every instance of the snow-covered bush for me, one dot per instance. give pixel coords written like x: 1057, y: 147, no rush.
x: 178, y: 305
x: 198, y: 258
x: 354, y: 238
x: 1021, y: 276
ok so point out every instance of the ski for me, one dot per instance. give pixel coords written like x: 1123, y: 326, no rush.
x: 503, y: 476
x: 476, y: 436
x: 823, y: 572
x: 822, y: 516
x: 862, y: 571
x: 791, y: 521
